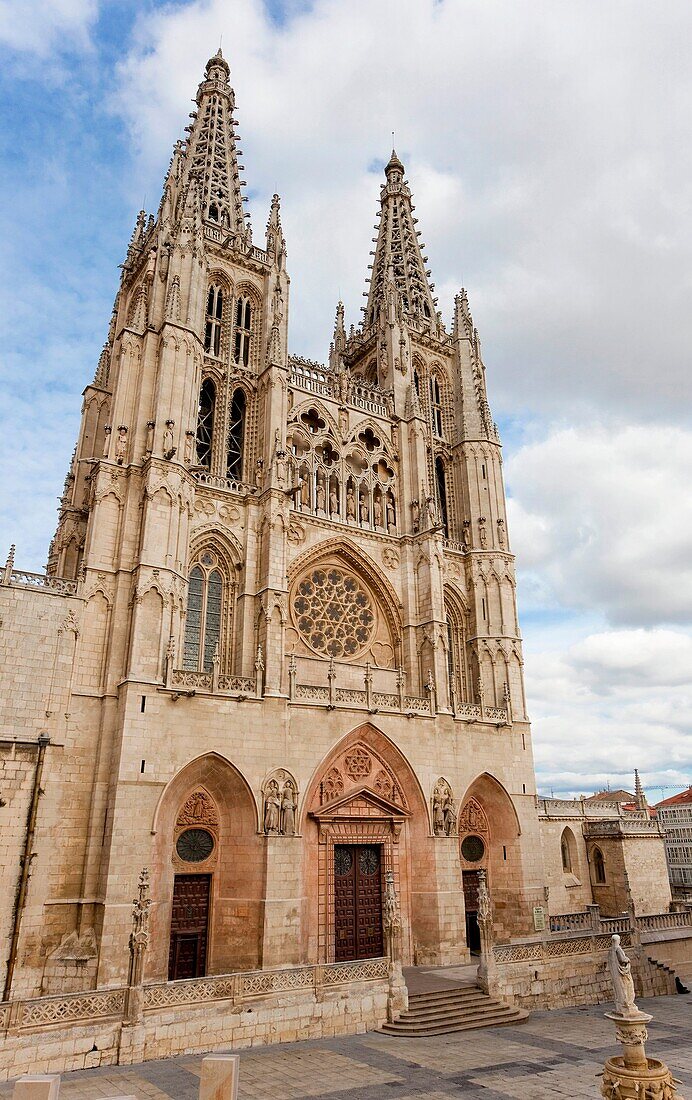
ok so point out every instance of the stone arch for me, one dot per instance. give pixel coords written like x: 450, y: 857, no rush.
x: 365, y: 791
x: 332, y: 428
x: 237, y: 869
x: 497, y: 825
x: 568, y: 852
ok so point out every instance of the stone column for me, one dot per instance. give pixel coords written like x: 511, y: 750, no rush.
x: 487, y: 968
x: 397, y: 997
x: 139, y: 940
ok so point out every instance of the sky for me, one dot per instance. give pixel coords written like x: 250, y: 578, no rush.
x: 549, y: 151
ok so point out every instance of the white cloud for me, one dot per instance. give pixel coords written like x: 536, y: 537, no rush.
x: 549, y: 151
x: 603, y: 516
x: 46, y: 25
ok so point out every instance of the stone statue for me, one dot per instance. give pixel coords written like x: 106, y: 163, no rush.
x: 288, y: 811
x: 189, y: 440
x: 415, y: 515
x: 168, y: 448
x: 431, y: 518
x: 343, y: 386
x: 333, y: 501
x: 320, y: 496
x: 304, y: 492
x: 121, y: 445
x: 391, y: 514
x: 350, y: 505
x: 449, y: 816
x: 377, y: 512
x: 482, y: 533
x: 438, y: 815
x: 501, y: 533
x: 272, y: 808
x: 364, y: 510
x: 621, y: 978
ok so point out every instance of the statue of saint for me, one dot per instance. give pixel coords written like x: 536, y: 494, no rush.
x: 320, y: 496
x: 364, y: 510
x: 621, y: 978
x: 377, y: 512
x: 288, y: 811
x: 333, y: 501
x: 438, y: 815
x: 350, y: 504
x: 272, y: 808
x: 415, y: 516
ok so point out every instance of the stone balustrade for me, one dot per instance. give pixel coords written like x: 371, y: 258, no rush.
x: 571, y: 922
x: 654, y: 922
x: 183, y: 680
x: 227, y: 484
x: 59, y: 585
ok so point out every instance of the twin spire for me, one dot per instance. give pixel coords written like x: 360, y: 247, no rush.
x: 399, y: 263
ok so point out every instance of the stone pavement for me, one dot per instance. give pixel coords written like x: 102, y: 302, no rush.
x: 554, y: 1055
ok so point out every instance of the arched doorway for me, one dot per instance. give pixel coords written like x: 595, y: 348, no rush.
x: 364, y: 816
x: 207, y: 874
x: 489, y: 841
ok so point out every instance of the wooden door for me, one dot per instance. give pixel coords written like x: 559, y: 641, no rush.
x: 187, y: 957
x: 473, y: 934
x: 358, y: 901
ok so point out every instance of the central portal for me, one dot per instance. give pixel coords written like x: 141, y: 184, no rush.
x: 358, y: 901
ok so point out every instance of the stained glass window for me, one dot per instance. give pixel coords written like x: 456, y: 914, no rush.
x: 204, y: 615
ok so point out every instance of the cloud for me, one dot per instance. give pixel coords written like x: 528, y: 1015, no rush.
x: 47, y: 25
x: 548, y: 147
x: 610, y: 703
x: 602, y: 518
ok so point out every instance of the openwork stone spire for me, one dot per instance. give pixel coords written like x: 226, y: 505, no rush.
x: 212, y: 153
x: 398, y: 256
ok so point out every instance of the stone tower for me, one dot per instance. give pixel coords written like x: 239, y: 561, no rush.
x: 294, y: 661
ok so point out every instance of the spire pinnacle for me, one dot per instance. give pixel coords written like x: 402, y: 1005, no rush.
x: 212, y: 155
x: 639, y: 791
x: 398, y: 269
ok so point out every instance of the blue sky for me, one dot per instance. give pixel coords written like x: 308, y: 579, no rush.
x: 549, y: 150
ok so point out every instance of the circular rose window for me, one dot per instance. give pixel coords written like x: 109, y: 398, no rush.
x: 195, y: 845
x: 333, y: 613
x: 472, y: 848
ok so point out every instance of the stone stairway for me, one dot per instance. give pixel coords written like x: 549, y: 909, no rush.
x: 440, y: 1003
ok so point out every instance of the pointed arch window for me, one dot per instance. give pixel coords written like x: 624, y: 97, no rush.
x: 436, y: 406
x: 236, y: 435
x: 566, y: 852
x: 243, y: 331
x: 204, y: 610
x: 599, y: 874
x: 205, y: 423
x: 441, y: 481
x: 214, y: 320
x: 457, y: 634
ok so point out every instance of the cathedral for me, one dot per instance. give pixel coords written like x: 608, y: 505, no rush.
x: 275, y: 658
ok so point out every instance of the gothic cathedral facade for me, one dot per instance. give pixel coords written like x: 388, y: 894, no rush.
x: 276, y: 655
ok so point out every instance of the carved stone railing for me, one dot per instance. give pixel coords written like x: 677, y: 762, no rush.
x: 455, y: 546
x: 469, y: 710
x: 616, y: 925
x: 538, y: 950
x: 369, y: 400
x: 228, y: 484
x: 416, y: 704
x: 59, y: 585
x: 198, y: 681
x: 313, y: 693
x: 313, y: 377
x: 109, y: 1004
x: 653, y: 922
x: 495, y: 714
x: 571, y: 922
x: 353, y: 695
x: 245, y: 685
x: 183, y: 680
x: 632, y: 824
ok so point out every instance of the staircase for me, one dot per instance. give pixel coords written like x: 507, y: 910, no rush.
x: 438, y: 1004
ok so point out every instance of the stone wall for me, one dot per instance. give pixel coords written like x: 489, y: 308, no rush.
x: 353, y: 1008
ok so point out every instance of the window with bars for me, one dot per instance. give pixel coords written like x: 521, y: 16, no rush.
x: 243, y: 331
x: 214, y: 321
x: 205, y: 423
x: 204, y: 611
x: 236, y: 436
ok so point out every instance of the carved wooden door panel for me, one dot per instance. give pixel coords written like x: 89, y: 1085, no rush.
x: 187, y: 957
x: 473, y: 935
x: 357, y: 901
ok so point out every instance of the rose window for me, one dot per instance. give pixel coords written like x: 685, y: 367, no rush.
x: 333, y: 613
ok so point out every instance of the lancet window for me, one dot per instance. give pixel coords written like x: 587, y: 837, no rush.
x: 243, y: 331
x: 205, y: 608
x: 457, y: 639
x: 236, y: 435
x: 436, y: 406
x: 441, y: 483
x: 214, y: 321
x: 599, y: 875
x: 205, y: 423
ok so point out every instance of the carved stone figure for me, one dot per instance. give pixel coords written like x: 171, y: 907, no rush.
x: 391, y: 515
x: 415, y: 515
x: 168, y: 448
x: 364, y: 510
x: 350, y: 504
x: 438, y: 815
x: 304, y: 492
x: 320, y: 495
x: 621, y: 978
x: 107, y: 439
x: 430, y: 514
x: 449, y: 815
x: 272, y: 808
x: 482, y: 533
x: 288, y: 810
x: 377, y: 512
x: 501, y: 533
x: 343, y: 386
x: 259, y: 473
x: 333, y: 501
x: 121, y: 445
x: 189, y: 440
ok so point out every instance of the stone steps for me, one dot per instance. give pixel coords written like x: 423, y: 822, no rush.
x: 443, y: 1011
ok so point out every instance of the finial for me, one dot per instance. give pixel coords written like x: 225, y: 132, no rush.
x: 394, y: 165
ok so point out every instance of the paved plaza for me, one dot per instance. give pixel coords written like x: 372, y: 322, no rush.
x: 553, y: 1055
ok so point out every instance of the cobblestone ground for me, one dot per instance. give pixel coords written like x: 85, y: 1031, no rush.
x: 553, y: 1055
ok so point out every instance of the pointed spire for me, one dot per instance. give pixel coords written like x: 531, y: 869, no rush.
x: 276, y: 244
x: 639, y: 791
x: 212, y: 155
x: 338, y: 344
x: 399, y: 263
x: 103, y: 368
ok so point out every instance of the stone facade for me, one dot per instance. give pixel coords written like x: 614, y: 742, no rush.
x: 278, y: 627
x: 675, y: 815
